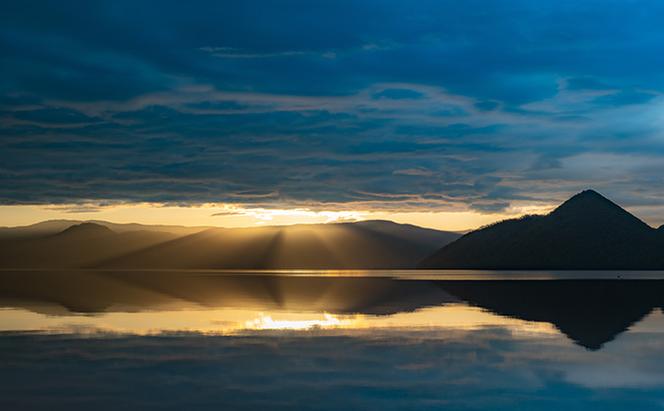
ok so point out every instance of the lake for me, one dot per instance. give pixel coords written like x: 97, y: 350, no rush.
x: 329, y: 340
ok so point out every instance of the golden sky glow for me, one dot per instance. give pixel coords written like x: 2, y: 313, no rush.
x: 237, y: 216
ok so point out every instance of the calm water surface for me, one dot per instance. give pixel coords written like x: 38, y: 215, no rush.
x: 453, y: 340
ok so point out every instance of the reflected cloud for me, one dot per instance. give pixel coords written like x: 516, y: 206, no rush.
x: 487, y: 368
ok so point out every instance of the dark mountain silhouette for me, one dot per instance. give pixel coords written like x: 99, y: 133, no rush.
x: 77, y: 246
x: 42, y: 228
x: 85, y: 231
x: 367, y: 244
x: 587, y: 232
x: 55, y: 226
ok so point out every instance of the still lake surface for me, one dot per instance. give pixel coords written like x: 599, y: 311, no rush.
x: 329, y: 340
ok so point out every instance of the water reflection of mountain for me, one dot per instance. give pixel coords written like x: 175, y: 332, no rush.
x: 129, y: 291
x: 590, y: 312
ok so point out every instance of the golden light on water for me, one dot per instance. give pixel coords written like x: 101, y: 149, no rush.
x: 233, y: 321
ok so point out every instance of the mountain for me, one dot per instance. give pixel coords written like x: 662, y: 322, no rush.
x: 365, y: 244
x: 361, y: 245
x: 56, y: 226
x: 586, y: 232
x: 79, y: 245
x: 86, y: 231
x: 41, y: 228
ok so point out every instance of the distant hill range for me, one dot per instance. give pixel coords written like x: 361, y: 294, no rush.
x: 587, y: 232
x: 55, y: 226
x: 72, y: 244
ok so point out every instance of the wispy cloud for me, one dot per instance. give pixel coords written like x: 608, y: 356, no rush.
x: 230, y: 52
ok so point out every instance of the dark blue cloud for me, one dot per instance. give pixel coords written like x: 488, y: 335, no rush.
x: 487, y: 105
x: 625, y: 97
x: 397, y: 94
x: 329, y: 102
x: 586, y: 83
x: 54, y: 116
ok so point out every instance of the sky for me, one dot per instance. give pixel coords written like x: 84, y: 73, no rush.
x: 446, y: 114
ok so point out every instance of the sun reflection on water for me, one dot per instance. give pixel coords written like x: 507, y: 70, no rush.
x: 234, y: 321
x: 266, y: 322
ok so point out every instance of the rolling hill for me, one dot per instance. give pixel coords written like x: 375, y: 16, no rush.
x: 365, y: 244
x: 77, y: 246
x: 55, y: 226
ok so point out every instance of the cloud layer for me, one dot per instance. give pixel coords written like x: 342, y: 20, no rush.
x: 433, y: 105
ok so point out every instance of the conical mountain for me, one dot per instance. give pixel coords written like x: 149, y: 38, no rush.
x: 588, y: 231
x: 593, y: 209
